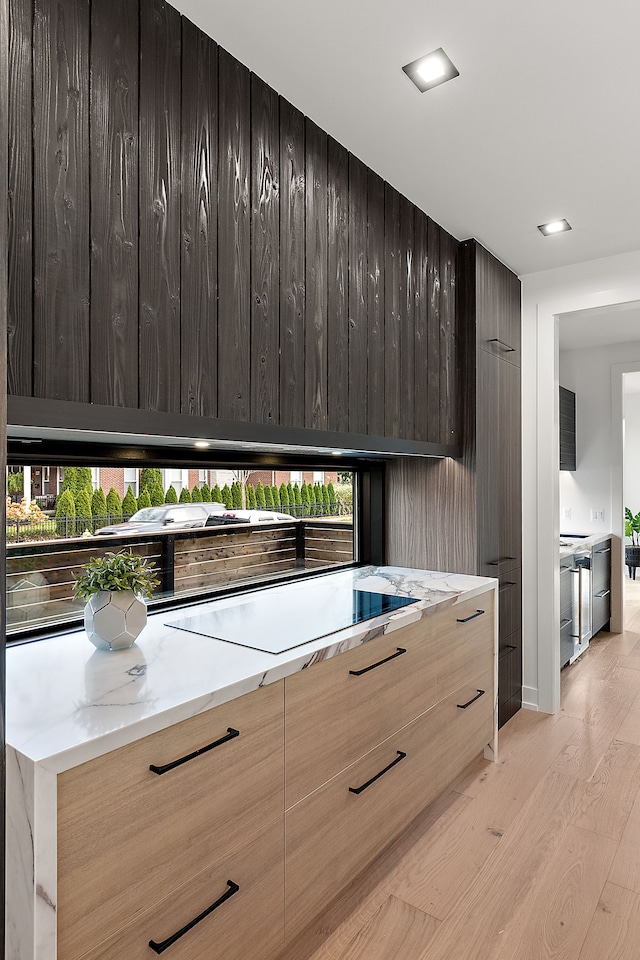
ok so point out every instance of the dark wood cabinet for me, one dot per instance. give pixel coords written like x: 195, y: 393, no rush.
x: 490, y: 323
x: 567, y: 408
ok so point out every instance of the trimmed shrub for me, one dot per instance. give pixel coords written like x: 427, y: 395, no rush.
x: 99, y: 507
x: 185, y: 495
x: 275, y: 496
x: 284, y: 497
x: 83, y: 511
x: 114, y: 506
x: 260, y: 501
x: 205, y: 490
x: 129, y: 504
x: 268, y: 497
x: 331, y: 493
x: 251, y: 497
x: 196, y: 495
x: 157, y: 495
x: 171, y: 496
x: 149, y: 476
x: 65, y: 514
x: 226, y: 496
x: 297, y: 495
x: 326, y: 509
x: 144, y: 500
x: 236, y: 495
x: 216, y: 494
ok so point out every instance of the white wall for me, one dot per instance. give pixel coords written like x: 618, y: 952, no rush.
x: 596, y: 283
x: 591, y: 486
x: 632, y: 451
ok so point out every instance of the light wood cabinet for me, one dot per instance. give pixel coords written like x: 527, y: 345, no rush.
x: 127, y: 835
x: 188, y: 835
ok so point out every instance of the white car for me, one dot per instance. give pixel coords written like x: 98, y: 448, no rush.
x: 170, y: 516
x: 248, y: 516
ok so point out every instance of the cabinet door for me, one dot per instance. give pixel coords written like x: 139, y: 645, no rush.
x: 509, y: 593
x: 497, y: 308
x: 601, y: 567
x: 510, y: 462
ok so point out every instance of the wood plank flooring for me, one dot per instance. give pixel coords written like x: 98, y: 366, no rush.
x: 536, y: 857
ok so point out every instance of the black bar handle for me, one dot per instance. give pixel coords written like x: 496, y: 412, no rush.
x: 231, y: 734
x: 358, y: 673
x: 496, y: 563
x: 478, y: 613
x: 463, y: 706
x: 364, y: 786
x: 503, y: 344
x: 507, y: 583
x: 564, y: 622
x: 161, y: 947
x: 508, y: 646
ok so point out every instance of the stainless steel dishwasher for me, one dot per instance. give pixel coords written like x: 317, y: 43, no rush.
x: 581, y: 601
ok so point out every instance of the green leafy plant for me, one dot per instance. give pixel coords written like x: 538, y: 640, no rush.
x: 117, y: 572
x: 129, y: 504
x: 632, y: 526
x: 171, y: 496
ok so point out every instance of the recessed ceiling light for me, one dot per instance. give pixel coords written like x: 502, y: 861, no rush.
x: 430, y: 71
x: 556, y: 226
x: 202, y: 444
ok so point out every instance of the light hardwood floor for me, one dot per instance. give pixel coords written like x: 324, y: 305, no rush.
x: 535, y: 857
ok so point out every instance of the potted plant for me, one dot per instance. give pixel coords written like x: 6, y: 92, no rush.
x: 632, y: 530
x: 115, y: 587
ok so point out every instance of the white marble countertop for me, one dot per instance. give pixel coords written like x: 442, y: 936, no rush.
x: 574, y: 543
x: 68, y: 702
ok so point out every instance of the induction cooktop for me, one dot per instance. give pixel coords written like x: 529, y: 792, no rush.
x: 283, y: 618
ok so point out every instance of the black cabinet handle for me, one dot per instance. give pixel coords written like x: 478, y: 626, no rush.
x: 478, y: 613
x: 503, y: 344
x: 161, y: 947
x: 358, y: 673
x: 564, y: 622
x: 231, y: 734
x: 364, y: 786
x: 507, y: 583
x: 463, y: 706
x: 604, y: 593
x: 496, y: 563
x: 509, y: 646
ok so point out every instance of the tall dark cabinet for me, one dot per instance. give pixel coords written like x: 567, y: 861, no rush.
x: 490, y: 320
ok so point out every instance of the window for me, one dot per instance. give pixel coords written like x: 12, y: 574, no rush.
x: 318, y: 476
x: 284, y: 530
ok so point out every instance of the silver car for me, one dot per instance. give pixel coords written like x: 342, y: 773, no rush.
x: 170, y: 516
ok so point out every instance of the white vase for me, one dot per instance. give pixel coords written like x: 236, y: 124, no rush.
x: 113, y: 621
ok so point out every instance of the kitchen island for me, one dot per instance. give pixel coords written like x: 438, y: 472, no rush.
x: 105, y: 848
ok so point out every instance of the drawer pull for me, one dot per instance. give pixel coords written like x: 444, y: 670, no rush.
x: 606, y: 550
x: 364, y: 786
x: 478, y: 613
x: 603, y: 594
x: 231, y: 734
x: 463, y: 706
x: 564, y: 622
x: 358, y: 673
x: 496, y: 563
x: 509, y: 646
x: 501, y: 343
x: 161, y: 947
x: 507, y: 583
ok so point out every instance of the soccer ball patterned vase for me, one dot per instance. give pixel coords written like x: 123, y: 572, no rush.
x: 114, y: 620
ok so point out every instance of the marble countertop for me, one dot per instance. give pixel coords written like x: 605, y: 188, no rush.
x: 580, y: 543
x: 68, y: 702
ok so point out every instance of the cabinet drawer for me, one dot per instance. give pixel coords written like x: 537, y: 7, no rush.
x: 509, y: 601
x: 510, y: 668
x: 334, y: 833
x: 247, y: 925
x: 466, y: 639
x: 601, y: 611
x: 338, y: 710
x: 117, y: 819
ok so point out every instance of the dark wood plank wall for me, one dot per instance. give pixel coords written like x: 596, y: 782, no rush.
x: 4, y: 274
x: 194, y: 244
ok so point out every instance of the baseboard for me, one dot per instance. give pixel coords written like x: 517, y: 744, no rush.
x: 530, y: 698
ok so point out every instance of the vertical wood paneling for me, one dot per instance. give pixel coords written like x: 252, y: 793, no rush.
x: 20, y: 209
x: 433, y: 330
x: 358, y: 288
x: 292, y: 265
x: 448, y: 406
x: 338, y: 286
x: 199, y: 266
x: 407, y: 319
x: 114, y: 203
x: 421, y: 319
x: 375, y: 303
x: 265, y: 249
x: 392, y: 271
x: 159, y: 288
x: 61, y: 199
x: 316, y: 277
x: 234, y: 229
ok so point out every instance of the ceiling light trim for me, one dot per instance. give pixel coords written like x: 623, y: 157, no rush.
x: 431, y: 70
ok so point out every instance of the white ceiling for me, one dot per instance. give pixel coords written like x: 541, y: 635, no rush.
x: 541, y: 123
x: 618, y: 323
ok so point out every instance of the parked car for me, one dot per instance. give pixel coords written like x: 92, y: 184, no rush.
x: 248, y: 516
x: 170, y: 516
